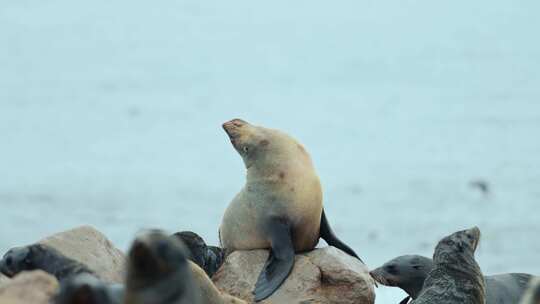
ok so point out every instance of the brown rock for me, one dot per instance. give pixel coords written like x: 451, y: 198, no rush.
x: 325, y: 275
x: 4, y: 279
x: 90, y: 247
x: 32, y: 287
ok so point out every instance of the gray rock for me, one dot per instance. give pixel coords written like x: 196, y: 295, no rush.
x: 325, y: 275
x: 90, y: 247
x: 29, y: 287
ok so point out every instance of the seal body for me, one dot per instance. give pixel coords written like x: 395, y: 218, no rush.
x: 43, y: 257
x: 455, y: 277
x: 209, y: 258
x: 280, y: 206
x: 281, y: 182
x: 409, y: 272
x: 158, y: 271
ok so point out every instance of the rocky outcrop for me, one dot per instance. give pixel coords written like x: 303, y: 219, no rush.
x: 32, y: 287
x: 325, y: 275
x: 3, y: 279
x: 90, y: 247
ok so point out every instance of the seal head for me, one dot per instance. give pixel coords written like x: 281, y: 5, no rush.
x: 158, y: 271
x: 17, y: 259
x: 209, y: 258
x: 407, y: 272
x: 458, y: 248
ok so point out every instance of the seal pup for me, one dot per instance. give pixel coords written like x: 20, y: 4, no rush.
x: 159, y: 272
x: 455, y: 277
x: 85, y: 288
x: 280, y: 207
x: 43, y: 257
x: 408, y: 272
x: 209, y: 258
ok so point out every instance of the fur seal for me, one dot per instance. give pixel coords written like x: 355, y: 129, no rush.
x: 455, y: 277
x: 159, y: 272
x: 532, y: 295
x: 280, y: 207
x: 408, y: 272
x: 209, y: 258
x: 85, y: 288
x: 40, y: 256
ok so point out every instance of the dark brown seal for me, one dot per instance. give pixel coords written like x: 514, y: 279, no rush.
x: 43, y: 257
x: 455, y: 277
x: 160, y: 272
x: 409, y: 272
x: 85, y: 288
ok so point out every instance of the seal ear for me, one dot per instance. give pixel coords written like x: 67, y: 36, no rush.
x: 280, y: 261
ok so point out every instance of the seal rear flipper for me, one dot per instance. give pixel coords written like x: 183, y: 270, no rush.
x: 280, y: 261
x: 327, y: 234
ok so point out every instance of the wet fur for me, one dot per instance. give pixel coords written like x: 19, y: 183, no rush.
x: 409, y: 272
x: 170, y: 277
x: 456, y: 277
x: 43, y: 257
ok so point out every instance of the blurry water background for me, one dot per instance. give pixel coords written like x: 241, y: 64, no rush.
x: 111, y: 112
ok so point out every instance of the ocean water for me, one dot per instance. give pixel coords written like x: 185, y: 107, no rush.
x: 111, y: 112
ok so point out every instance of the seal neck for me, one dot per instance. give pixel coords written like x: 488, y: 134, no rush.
x: 167, y: 289
x: 414, y: 287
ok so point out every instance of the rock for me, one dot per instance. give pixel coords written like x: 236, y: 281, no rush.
x: 90, y: 247
x: 29, y: 287
x: 325, y: 275
x: 4, y: 279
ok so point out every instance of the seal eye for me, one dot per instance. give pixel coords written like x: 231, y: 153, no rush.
x: 391, y: 269
x: 246, y: 149
x: 450, y: 243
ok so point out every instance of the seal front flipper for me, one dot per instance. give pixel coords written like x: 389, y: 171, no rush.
x: 280, y: 261
x: 405, y: 301
x: 330, y: 237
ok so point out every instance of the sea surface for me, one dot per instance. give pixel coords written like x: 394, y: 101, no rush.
x: 111, y: 113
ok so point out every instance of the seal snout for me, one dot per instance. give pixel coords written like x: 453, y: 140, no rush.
x: 378, y: 277
x: 474, y: 233
x: 232, y: 127
x: 142, y: 257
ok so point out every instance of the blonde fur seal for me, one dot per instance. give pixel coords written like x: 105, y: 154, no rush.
x: 280, y: 207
